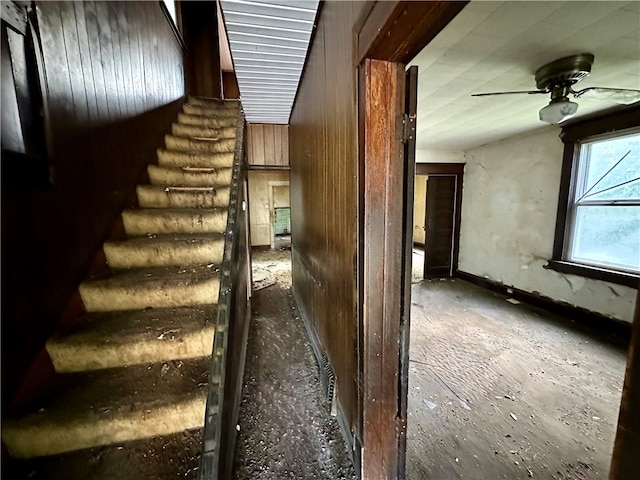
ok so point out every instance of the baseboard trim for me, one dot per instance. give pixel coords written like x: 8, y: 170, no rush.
x: 616, y: 330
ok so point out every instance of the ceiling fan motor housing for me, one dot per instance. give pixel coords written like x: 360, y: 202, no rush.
x: 564, y: 72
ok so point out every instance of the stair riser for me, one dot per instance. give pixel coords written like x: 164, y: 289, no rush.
x: 104, y: 298
x: 50, y: 438
x: 209, y: 112
x: 200, y: 121
x: 173, y: 158
x: 194, y: 131
x: 69, y: 357
x: 121, y: 255
x: 199, y: 146
x: 162, y: 176
x: 139, y: 223
x: 157, y: 198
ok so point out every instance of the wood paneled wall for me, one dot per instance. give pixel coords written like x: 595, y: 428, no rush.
x: 324, y: 199
x: 113, y: 80
x: 268, y: 145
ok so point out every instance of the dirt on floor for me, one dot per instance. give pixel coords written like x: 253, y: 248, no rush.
x: 285, y: 428
x: 503, y: 390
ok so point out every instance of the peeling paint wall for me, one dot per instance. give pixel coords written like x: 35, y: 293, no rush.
x: 509, y: 209
x: 259, y: 208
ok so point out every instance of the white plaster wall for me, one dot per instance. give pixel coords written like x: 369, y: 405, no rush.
x: 509, y: 207
x: 437, y: 156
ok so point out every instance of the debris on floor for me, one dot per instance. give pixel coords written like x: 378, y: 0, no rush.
x: 285, y: 430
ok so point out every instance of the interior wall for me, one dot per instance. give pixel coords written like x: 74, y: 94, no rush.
x: 509, y: 210
x: 114, y: 79
x: 437, y: 156
x: 260, y: 212
x: 419, y: 209
x: 267, y: 145
x: 323, y: 140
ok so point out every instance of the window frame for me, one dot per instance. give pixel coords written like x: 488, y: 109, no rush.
x: 572, y: 135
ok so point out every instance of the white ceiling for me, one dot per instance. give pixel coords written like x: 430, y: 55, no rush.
x: 498, y: 46
x: 268, y: 41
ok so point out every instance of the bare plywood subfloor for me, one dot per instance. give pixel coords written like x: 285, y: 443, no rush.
x: 498, y: 390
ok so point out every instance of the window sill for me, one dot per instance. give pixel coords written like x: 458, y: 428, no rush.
x: 613, y: 276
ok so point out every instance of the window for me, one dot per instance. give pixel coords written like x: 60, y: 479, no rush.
x: 598, y: 230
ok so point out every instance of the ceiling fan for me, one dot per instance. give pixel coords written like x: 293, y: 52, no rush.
x: 558, y: 77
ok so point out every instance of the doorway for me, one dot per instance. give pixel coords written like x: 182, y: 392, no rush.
x: 437, y: 213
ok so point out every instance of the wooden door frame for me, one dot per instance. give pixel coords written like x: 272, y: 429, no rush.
x: 390, y: 35
x: 457, y: 170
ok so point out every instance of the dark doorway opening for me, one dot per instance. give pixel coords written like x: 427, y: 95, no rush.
x: 443, y: 201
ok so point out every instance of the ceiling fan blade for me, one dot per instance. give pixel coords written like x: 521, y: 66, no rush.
x: 528, y: 92
x: 625, y: 96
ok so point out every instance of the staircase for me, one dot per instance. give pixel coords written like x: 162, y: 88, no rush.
x: 138, y: 364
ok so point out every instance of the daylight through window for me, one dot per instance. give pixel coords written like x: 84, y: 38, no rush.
x: 604, y: 211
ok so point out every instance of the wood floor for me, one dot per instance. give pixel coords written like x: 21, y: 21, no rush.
x: 498, y: 390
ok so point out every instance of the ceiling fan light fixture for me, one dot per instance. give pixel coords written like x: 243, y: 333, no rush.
x: 558, y: 111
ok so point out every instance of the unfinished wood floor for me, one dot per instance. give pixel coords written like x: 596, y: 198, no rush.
x: 498, y: 390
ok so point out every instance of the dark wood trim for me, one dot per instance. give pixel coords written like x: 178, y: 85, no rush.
x: 439, y: 168
x: 628, y: 117
x: 172, y: 24
x: 383, y: 236
x: 572, y: 133
x: 626, y: 448
x: 613, y: 276
x: 615, y: 330
x: 398, y: 31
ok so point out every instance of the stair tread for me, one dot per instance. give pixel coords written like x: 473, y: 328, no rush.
x: 175, y: 211
x: 155, y: 325
x: 156, y: 277
x: 170, y: 157
x: 161, y: 239
x: 79, y: 410
x: 100, y: 393
x: 164, y: 456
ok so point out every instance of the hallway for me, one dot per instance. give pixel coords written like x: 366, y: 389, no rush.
x: 285, y: 429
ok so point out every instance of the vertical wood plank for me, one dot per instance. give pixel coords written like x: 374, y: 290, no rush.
x: 269, y: 144
x: 258, y: 144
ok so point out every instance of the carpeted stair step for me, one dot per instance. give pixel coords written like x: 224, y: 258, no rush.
x: 82, y: 410
x: 189, y: 176
x: 212, y: 102
x: 165, y: 250
x: 176, y: 455
x: 187, y: 144
x: 117, y: 339
x: 211, y: 112
x: 201, y: 121
x: 175, y: 158
x: 203, y: 132
x: 152, y: 287
x: 143, y: 221
x: 160, y: 196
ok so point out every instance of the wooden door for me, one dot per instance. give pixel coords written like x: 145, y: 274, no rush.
x: 440, y: 226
